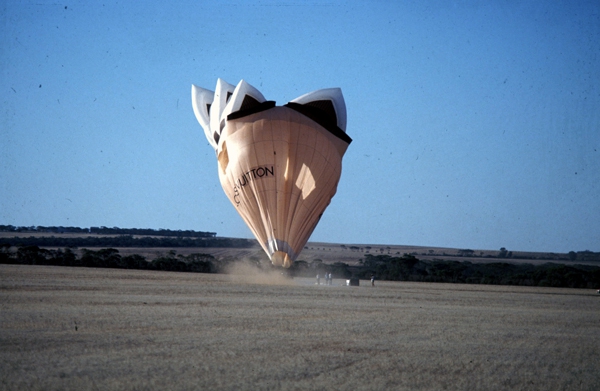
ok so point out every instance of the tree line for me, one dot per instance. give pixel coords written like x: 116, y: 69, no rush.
x: 107, y: 258
x: 383, y: 267
x: 34, y: 251
x: 111, y: 231
x: 410, y: 268
x: 127, y: 241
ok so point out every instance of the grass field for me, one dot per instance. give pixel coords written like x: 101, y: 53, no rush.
x: 77, y: 328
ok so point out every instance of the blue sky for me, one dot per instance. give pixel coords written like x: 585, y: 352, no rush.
x: 475, y: 124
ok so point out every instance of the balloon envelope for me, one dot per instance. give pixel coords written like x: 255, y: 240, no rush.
x: 278, y: 165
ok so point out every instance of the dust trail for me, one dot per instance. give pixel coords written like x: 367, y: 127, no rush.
x: 255, y: 274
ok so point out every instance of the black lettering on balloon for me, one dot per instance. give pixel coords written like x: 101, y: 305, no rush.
x: 249, y: 176
x: 236, y: 195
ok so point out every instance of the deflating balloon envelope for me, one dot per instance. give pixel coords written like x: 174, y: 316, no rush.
x: 278, y: 165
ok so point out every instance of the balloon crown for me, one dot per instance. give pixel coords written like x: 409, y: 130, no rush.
x: 228, y: 102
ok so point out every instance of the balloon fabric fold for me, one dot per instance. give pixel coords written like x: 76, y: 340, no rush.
x: 278, y: 165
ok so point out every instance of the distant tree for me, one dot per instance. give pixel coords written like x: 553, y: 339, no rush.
x: 106, y: 257
x: 300, y: 265
x: 32, y: 255
x: 6, y: 256
x: 202, y: 263
x: 502, y: 253
x: 169, y: 262
x: 300, y: 268
x: 341, y: 270
x: 134, y: 261
x: 65, y: 257
x: 316, y: 264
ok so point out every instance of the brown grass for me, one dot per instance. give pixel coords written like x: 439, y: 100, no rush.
x: 77, y: 329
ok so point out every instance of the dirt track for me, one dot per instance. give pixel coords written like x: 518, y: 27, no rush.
x: 77, y: 328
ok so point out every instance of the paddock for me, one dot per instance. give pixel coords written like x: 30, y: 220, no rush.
x: 82, y: 328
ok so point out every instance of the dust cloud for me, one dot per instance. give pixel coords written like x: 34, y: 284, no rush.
x: 251, y: 273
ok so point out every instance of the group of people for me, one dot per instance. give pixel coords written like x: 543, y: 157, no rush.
x: 328, y: 279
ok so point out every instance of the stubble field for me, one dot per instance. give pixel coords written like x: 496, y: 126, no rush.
x: 79, y: 328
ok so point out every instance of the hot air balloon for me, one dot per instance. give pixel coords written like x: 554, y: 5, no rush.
x: 278, y: 165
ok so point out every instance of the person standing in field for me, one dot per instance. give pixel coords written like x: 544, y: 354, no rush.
x: 373, y: 280
x: 318, y: 279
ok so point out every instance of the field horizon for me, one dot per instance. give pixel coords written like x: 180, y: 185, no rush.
x: 349, y: 253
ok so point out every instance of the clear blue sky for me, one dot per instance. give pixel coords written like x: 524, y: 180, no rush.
x: 475, y: 124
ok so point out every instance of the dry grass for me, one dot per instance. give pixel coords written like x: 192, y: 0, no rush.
x: 77, y: 328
